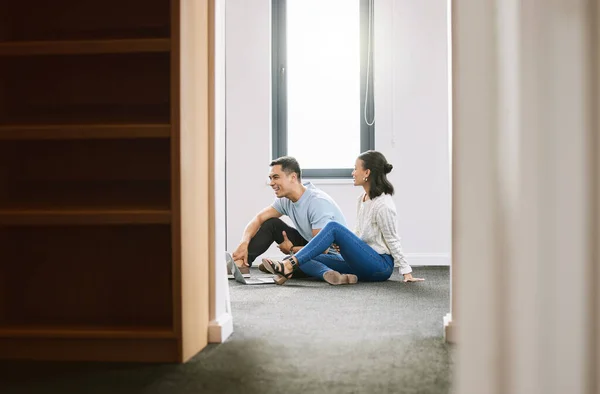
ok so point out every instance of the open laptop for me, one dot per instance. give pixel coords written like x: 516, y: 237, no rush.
x: 237, y: 275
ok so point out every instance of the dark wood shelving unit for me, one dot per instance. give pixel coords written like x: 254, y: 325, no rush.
x: 90, y: 184
x: 83, y: 47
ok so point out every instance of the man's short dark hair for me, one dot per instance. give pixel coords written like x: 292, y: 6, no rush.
x: 288, y: 165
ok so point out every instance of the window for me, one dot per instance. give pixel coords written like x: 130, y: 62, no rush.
x: 323, y: 112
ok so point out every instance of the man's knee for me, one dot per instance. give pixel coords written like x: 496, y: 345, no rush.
x: 272, y: 223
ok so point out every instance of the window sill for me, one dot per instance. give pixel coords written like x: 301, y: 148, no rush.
x: 325, y: 181
x: 329, y: 181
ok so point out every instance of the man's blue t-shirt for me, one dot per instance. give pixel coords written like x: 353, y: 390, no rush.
x: 312, y: 211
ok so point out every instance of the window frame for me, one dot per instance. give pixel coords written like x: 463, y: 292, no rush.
x: 279, y: 88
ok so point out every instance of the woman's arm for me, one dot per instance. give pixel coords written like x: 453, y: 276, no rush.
x: 358, y: 202
x: 386, y: 221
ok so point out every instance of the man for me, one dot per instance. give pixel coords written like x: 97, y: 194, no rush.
x: 309, y: 209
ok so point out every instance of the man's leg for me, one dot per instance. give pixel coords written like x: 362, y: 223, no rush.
x: 271, y: 231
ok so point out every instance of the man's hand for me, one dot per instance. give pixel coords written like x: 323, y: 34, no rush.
x: 409, y: 278
x: 287, y: 245
x: 332, y: 246
x: 241, y: 253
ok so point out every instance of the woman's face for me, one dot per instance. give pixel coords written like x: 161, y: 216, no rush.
x: 359, y: 174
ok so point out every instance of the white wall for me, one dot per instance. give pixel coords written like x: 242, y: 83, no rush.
x: 411, y: 96
x: 220, y: 319
x: 526, y: 233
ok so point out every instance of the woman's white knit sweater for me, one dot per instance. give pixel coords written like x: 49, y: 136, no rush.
x: 376, y: 225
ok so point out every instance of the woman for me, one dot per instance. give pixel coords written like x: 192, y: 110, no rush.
x: 368, y: 254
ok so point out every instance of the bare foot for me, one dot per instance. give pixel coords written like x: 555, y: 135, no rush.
x: 335, y: 278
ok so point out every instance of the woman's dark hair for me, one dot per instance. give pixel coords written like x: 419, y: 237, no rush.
x: 377, y: 163
x: 288, y: 165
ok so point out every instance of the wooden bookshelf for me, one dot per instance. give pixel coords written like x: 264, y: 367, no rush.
x: 103, y: 230
x: 67, y: 20
x: 68, y: 332
x: 84, y: 47
x: 74, y: 89
x: 84, y: 131
x: 26, y: 217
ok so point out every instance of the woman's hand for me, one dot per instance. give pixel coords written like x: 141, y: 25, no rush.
x: 409, y: 278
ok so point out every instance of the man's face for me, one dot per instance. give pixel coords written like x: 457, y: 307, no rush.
x: 280, y: 182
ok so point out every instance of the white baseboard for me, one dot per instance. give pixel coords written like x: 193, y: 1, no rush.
x: 428, y: 259
x: 449, y: 329
x: 220, y: 329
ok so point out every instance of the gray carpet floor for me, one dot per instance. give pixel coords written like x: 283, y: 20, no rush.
x: 303, y: 337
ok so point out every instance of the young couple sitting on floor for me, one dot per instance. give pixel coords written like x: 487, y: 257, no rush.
x: 321, y: 245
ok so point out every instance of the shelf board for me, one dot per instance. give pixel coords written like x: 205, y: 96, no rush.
x: 16, y: 217
x: 26, y: 48
x: 84, y: 131
x: 115, y: 332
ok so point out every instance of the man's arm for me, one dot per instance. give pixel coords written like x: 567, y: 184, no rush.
x: 241, y: 252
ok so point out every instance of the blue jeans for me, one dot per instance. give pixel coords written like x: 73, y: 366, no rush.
x: 356, y: 257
